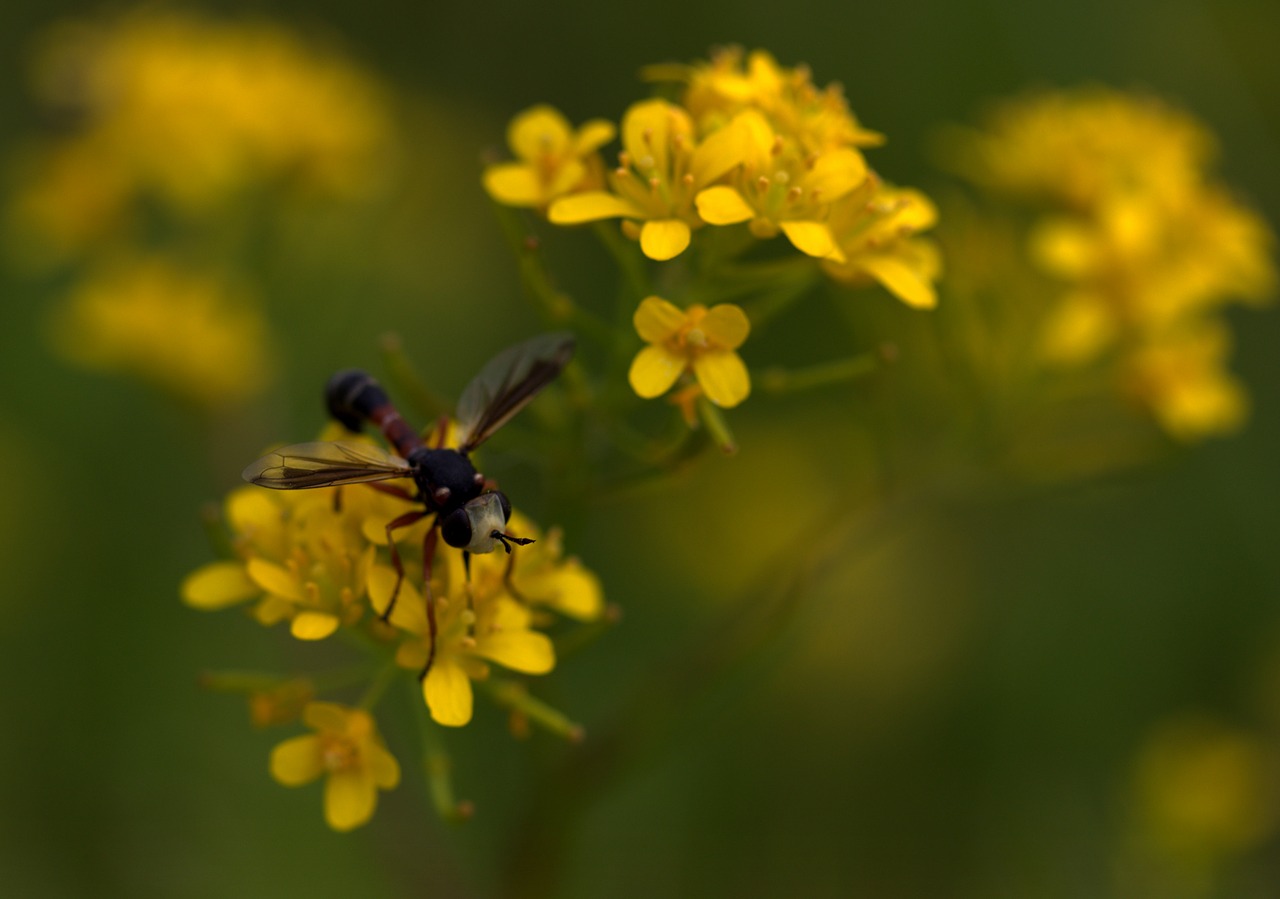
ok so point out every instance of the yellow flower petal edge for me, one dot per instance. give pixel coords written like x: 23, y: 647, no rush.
x: 723, y: 377
x: 726, y: 326
x: 664, y: 239
x: 657, y: 319
x: 654, y: 370
x: 447, y: 691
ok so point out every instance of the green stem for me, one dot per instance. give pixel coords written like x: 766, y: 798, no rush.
x: 513, y: 695
x: 778, y: 380
x: 716, y: 426
x: 409, y: 383
x: 437, y: 765
x: 379, y: 685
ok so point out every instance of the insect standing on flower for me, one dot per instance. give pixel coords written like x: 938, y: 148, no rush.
x: 470, y: 512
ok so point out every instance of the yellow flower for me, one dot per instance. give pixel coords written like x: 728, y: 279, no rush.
x: 661, y: 169
x: 782, y: 186
x: 1201, y: 790
x: 195, y: 109
x: 875, y: 230
x: 1182, y: 378
x: 700, y: 340
x: 1079, y: 147
x: 1146, y: 245
x: 721, y: 88
x: 476, y: 624
x: 554, y: 159
x: 348, y: 750
x: 189, y: 332
x: 302, y: 560
x: 543, y: 577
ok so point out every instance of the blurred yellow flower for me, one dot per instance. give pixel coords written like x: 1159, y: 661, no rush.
x: 186, y: 331
x: 698, y: 339
x: 194, y: 109
x: 660, y: 171
x: 1146, y: 245
x: 348, y: 751
x: 554, y: 159
x: 1200, y: 790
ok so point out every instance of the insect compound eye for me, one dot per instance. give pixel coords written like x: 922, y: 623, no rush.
x: 456, y: 528
x: 505, y: 503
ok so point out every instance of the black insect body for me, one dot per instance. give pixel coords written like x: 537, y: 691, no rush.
x: 470, y: 513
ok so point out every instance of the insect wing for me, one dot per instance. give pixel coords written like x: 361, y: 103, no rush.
x: 507, y: 383
x: 322, y: 464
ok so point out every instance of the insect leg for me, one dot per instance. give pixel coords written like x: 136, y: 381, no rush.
x: 403, y: 521
x: 428, y: 558
x: 509, y: 582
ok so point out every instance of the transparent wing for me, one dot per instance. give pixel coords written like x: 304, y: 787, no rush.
x: 507, y: 383
x: 324, y: 465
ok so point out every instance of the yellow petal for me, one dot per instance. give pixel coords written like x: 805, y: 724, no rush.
x: 654, y: 370
x: 590, y: 206
x: 723, y: 377
x: 574, y: 591
x: 218, y: 585
x: 647, y: 131
x: 273, y: 578
x: 901, y: 280
x: 327, y: 716
x: 726, y: 326
x: 272, y: 610
x: 447, y: 691
x: 297, y: 761
x: 835, y: 173
x: 513, y: 183
x: 720, y: 152
x: 664, y: 239
x: 382, y: 765
x: 526, y: 651
x: 350, y: 797
x: 538, y: 131
x: 409, y: 613
x: 813, y: 239
x: 313, y: 625
x: 657, y: 319
x: 723, y: 205
x: 251, y: 508
x: 593, y: 135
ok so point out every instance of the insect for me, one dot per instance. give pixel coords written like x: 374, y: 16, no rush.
x: 470, y: 512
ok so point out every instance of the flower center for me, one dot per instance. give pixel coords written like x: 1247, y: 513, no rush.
x: 338, y: 754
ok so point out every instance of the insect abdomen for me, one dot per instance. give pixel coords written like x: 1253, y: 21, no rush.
x: 353, y: 397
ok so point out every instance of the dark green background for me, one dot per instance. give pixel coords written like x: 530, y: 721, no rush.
x: 954, y: 712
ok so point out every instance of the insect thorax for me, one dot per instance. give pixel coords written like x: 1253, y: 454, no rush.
x: 437, y: 468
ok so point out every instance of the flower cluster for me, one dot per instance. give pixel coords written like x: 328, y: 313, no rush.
x: 750, y: 142
x: 319, y: 561
x: 170, y: 124
x: 1147, y: 244
x: 737, y: 151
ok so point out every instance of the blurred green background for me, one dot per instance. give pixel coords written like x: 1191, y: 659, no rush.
x: 956, y: 705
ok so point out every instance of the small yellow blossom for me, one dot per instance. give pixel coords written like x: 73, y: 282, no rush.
x: 1146, y: 245
x: 875, y: 231
x: 189, y: 332
x: 698, y: 339
x: 660, y: 171
x: 347, y: 749
x: 303, y: 560
x: 476, y: 623
x: 781, y: 186
x: 553, y: 158
x: 1183, y: 379
x: 194, y: 109
x: 1201, y: 790
x: 721, y: 88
